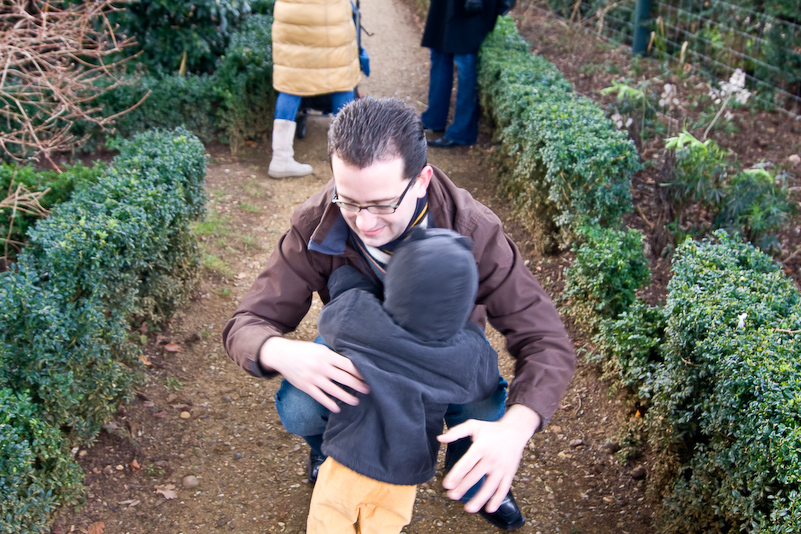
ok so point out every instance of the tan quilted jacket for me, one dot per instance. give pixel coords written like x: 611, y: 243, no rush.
x: 314, y: 47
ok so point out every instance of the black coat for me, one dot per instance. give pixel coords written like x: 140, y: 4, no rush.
x: 452, y: 29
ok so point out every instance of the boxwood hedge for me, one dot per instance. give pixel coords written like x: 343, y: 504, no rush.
x: 609, y: 268
x: 236, y: 100
x: 56, y: 186
x: 119, y: 251
x: 37, y: 472
x: 730, y: 390
x: 565, y: 163
x: 719, y: 368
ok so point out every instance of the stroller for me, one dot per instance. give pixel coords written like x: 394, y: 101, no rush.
x: 322, y: 103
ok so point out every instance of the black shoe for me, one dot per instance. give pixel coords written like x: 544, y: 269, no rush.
x: 443, y: 142
x: 315, y: 461
x: 508, y: 515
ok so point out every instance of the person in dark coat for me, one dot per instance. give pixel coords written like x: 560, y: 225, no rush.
x: 418, y: 348
x: 454, y: 32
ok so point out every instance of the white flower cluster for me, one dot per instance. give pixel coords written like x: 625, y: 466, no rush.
x: 735, y: 87
x: 618, y: 120
x: 668, y: 97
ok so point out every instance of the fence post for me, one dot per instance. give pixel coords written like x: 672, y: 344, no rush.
x: 642, y: 15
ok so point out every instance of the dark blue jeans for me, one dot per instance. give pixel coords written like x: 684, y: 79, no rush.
x: 302, y: 415
x: 286, y: 105
x: 464, y: 128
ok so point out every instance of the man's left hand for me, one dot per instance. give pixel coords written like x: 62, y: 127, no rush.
x: 495, y: 453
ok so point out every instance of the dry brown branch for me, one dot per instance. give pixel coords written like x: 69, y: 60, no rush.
x: 55, y: 63
x: 786, y: 331
x: 21, y: 200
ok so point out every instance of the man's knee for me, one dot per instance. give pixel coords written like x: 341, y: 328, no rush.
x: 300, y: 414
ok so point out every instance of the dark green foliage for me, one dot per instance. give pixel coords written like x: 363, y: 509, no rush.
x: 566, y: 164
x: 244, y: 83
x: 262, y: 7
x: 115, y: 253
x: 726, y: 397
x: 636, y: 109
x: 629, y: 347
x: 699, y: 175
x: 757, y: 206
x: 37, y: 471
x: 169, y: 160
x: 609, y: 268
x: 165, y: 30
x: 70, y: 357
x: 709, y: 189
x: 61, y: 186
x: 238, y: 99
x: 174, y: 100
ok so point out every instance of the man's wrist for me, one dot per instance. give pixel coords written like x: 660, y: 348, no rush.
x: 524, y: 418
x: 267, y: 354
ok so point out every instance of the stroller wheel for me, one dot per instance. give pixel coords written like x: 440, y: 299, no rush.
x: 300, y: 131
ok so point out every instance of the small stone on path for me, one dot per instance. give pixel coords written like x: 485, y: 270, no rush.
x: 638, y: 473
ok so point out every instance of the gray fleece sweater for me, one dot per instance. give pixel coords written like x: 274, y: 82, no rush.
x: 416, y: 351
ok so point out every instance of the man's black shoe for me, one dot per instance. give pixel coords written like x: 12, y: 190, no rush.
x: 315, y: 461
x: 443, y: 142
x: 508, y: 515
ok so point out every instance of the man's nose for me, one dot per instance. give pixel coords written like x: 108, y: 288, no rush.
x: 365, y: 220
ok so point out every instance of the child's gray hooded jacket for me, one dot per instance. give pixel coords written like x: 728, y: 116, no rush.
x: 416, y: 350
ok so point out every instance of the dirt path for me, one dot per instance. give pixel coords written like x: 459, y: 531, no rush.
x: 201, y: 449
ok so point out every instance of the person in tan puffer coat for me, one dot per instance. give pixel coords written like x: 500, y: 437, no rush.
x: 315, y: 52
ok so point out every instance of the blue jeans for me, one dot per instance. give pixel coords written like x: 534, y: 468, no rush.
x: 464, y: 128
x: 302, y: 415
x: 286, y: 105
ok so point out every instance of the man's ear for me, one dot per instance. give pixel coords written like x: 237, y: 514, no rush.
x: 423, y: 179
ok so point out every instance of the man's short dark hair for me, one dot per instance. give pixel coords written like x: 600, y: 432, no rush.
x: 371, y: 130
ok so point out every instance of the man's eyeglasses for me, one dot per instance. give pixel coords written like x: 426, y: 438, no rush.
x: 375, y: 209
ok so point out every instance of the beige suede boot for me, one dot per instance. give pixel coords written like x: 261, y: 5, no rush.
x: 283, y: 164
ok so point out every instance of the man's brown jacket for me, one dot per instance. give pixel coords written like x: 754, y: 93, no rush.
x: 508, y: 294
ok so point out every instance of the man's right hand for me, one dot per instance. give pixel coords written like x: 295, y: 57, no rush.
x: 314, y: 369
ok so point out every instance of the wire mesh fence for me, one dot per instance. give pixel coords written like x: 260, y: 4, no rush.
x: 762, y: 38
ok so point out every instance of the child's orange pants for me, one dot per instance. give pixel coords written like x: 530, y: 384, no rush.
x: 345, y: 502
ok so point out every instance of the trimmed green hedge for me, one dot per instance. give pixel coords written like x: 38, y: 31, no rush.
x: 730, y: 389
x: 60, y: 185
x: 116, y: 253
x: 37, y: 472
x: 174, y: 100
x: 609, y: 268
x: 244, y: 83
x: 566, y: 165
x: 236, y: 101
x: 720, y: 368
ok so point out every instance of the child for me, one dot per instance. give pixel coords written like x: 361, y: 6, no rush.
x: 418, y: 353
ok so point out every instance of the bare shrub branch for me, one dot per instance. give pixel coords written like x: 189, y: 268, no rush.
x: 55, y: 63
x: 21, y: 199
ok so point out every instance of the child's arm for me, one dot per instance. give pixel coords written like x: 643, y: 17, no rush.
x: 347, y: 277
